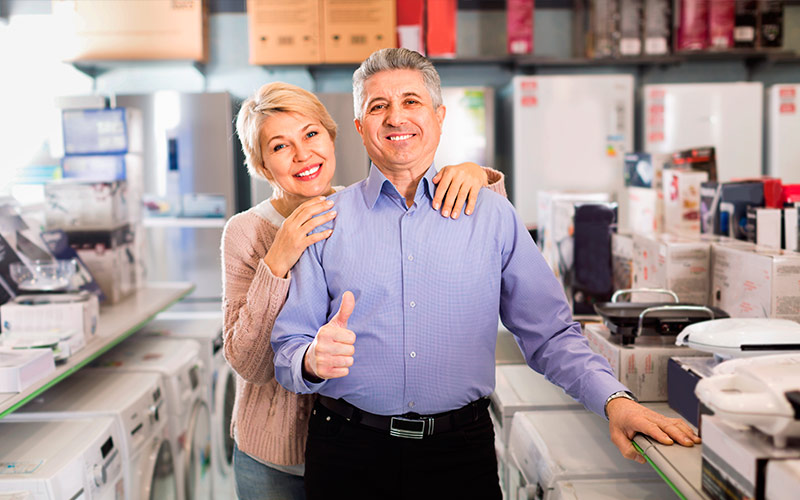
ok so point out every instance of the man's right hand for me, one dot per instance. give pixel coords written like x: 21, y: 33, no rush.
x: 331, y: 353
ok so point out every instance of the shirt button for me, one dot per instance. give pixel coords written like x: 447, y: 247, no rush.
x: 410, y: 257
x: 413, y: 354
x: 411, y: 404
x: 413, y: 304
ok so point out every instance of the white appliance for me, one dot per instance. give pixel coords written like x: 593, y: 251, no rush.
x: 600, y: 489
x: 727, y: 116
x: 741, y: 337
x: 547, y: 447
x: 206, y: 328
x: 570, y: 133
x: 189, y: 422
x: 136, y: 403
x: 74, y: 459
x: 762, y: 393
x: 468, y: 130
x: 783, y: 129
x: 783, y: 479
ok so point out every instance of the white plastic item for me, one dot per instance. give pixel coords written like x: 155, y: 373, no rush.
x: 783, y: 479
x: 654, y: 489
x: 740, y: 337
x: 19, y: 368
x: 552, y: 446
x: 765, y: 396
x: 727, y: 116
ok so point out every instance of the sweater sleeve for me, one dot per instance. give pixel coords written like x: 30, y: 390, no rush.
x: 252, y: 299
x: 497, y: 181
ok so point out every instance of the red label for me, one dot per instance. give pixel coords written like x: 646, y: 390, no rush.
x: 657, y: 94
x: 788, y: 108
x: 529, y: 85
x: 529, y: 101
x: 656, y: 137
x: 787, y: 92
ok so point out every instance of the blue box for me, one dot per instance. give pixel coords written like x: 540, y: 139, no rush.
x: 95, y: 131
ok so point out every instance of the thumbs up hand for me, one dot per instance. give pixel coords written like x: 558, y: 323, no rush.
x: 331, y: 353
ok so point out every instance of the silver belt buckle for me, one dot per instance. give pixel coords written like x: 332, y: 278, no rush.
x: 411, y: 428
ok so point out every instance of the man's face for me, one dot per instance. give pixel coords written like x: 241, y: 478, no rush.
x: 400, y: 128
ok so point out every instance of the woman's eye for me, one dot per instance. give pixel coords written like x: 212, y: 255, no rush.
x: 312, y: 134
x: 278, y: 147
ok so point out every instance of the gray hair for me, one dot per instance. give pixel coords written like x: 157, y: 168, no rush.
x: 389, y: 59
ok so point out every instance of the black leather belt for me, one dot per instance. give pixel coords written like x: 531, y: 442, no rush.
x: 409, y: 425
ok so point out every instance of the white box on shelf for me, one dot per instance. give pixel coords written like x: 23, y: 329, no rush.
x: 790, y: 226
x: 752, y: 282
x: 20, y: 368
x: 622, y: 260
x: 642, y: 366
x: 112, y: 257
x: 645, y: 210
x: 679, y: 264
x: 682, y: 201
x: 783, y: 148
x: 74, y: 204
x: 783, y: 479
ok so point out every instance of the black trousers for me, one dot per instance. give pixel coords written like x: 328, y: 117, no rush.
x: 348, y: 460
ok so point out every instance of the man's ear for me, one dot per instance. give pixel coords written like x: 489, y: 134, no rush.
x: 441, y: 111
x: 360, y: 130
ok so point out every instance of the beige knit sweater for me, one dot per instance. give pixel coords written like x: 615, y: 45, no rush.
x: 269, y: 423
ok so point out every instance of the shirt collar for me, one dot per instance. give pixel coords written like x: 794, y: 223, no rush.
x: 376, y: 180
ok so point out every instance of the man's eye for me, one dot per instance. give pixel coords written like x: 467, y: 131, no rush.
x: 377, y: 107
x: 278, y: 147
x: 411, y: 101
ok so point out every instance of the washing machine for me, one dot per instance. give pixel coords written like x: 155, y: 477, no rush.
x: 69, y: 459
x: 136, y: 403
x: 189, y: 420
x: 206, y: 328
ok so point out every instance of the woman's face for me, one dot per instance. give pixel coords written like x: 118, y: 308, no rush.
x: 298, y: 154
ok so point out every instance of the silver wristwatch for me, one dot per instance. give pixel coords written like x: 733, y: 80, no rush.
x: 618, y: 394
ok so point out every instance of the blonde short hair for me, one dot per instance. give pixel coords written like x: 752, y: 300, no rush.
x: 277, y: 97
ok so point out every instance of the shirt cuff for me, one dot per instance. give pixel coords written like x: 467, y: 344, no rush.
x: 600, y: 387
x: 302, y: 385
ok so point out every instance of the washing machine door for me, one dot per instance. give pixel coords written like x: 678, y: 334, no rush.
x: 197, y: 456
x: 156, y: 473
x: 224, y: 397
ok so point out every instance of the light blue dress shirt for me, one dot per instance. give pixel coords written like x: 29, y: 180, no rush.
x: 428, y: 291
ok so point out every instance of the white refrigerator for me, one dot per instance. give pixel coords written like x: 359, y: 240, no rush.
x: 570, y: 133
x: 468, y: 131
x: 783, y: 133
x: 727, y: 116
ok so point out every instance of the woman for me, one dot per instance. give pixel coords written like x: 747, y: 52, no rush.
x: 288, y: 139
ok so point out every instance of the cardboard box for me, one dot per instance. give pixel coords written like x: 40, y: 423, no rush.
x: 691, y: 17
x: 20, y: 368
x: 519, y: 26
x: 441, y: 32
x: 642, y: 366
x: 622, y: 260
x: 98, y: 205
x: 735, y: 199
x: 683, y: 374
x: 282, y: 32
x: 771, y: 23
x: 657, y: 27
x: 790, y: 228
x: 721, y: 20
x: 411, y: 25
x: 765, y: 227
x: 111, y: 257
x: 745, y: 24
x: 682, y: 201
x: 735, y: 460
x: 783, y: 479
x: 354, y: 29
x: 604, y: 17
x: 630, y: 42
x: 678, y: 264
x: 123, y: 30
x: 645, y: 210
x: 759, y: 283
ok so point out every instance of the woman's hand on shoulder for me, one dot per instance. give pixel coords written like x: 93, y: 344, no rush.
x: 456, y: 185
x: 293, y: 236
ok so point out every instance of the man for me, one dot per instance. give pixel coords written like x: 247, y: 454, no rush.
x: 387, y: 322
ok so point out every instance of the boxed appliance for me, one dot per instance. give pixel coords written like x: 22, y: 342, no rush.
x: 111, y: 257
x: 791, y: 221
x: 124, y: 30
x: 642, y: 366
x: 721, y: 21
x: 604, y: 22
x: 703, y: 159
x: 691, y: 17
x: 80, y: 205
x: 591, y: 277
x: 755, y: 284
x: 727, y: 116
x: 441, y: 41
x: 630, y: 27
x: 683, y: 373
x: 598, y: 112
x: 645, y: 169
x: 20, y: 368
x: 709, y: 207
x: 745, y: 30
x: 783, y: 479
x: 771, y: 23
x: 622, y: 260
x: 48, y: 312
x: 682, y: 201
x: 645, y: 210
x: 734, y: 200
x: 103, y: 168
x: 765, y: 227
x: 284, y: 32
x: 411, y: 25
x: 657, y: 27
x: 519, y: 26
x: 783, y: 149
x: 678, y: 264
x: 735, y: 460
x: 351, y: 31
x: 114, y: 131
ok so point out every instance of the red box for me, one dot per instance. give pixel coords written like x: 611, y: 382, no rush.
x: 721, y: 20
x: 692, y: 17
x: 441, y: 32
x: 411, y: 25
x: 519, y: 26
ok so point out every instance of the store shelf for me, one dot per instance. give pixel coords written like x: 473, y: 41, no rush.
x: 197, y: 222
x: 116, y: 323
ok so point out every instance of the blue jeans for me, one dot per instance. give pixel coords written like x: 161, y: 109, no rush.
x: 256, y: 481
